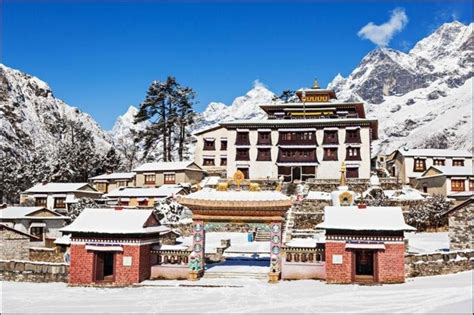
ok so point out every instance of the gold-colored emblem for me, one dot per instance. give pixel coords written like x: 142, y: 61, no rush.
x: 315, y: 84
x: 254, y: 187
x: 238, y: 178
x: 345, y: 199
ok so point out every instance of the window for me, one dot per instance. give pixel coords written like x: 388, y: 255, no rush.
x: 420, y: 165
x: 353, y: 154
x: 458, y: 162
x: 457, y: 184
x: 245, y: 171
x: 471, y: 185
x: 352, y: 172
x: 143, y: 202
x: 101, y: 187
x: 121, y: 183
x: 223, y: 145
x: 38, y: 232
x: 59, y: 203
x: 330, y: 154
x: 242, y: 154
x: 264, y: 138
x: 264, y: 155
x: 242, y: 138
x: 223, y: 161
x: 330, y: 137
x: 170, y: 178
x: 150, y: 179
x: 209, y: 145
x: 353, y: 136
x: 40, y: 201
x: 438, y: 162
x: 208, y: 162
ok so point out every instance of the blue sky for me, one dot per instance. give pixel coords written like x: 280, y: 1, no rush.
x: 101, y: 56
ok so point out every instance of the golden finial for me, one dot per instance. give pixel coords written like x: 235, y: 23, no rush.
x: 342, y: 181
x: 315, y: 84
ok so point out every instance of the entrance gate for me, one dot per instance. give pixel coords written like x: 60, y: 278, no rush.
x: 252, y: 207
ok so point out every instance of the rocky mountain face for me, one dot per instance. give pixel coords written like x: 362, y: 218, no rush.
x: 422, y: 98
x: 28, y: 109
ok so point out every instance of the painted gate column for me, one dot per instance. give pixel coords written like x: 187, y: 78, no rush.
x: 275, y: 252
x: 197, y: 257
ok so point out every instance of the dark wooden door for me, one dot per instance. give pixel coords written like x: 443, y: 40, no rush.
x: 364, y: 263
x: 99, y: 266
x: 296, y: 172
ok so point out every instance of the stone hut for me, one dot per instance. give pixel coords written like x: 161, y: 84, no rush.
x: 15, y: 243
x: 461, y: 225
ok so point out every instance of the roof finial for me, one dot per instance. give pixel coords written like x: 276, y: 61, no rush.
x: 342, y: 181
x: 315, y: 84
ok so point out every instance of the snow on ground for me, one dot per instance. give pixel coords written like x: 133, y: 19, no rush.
x: 238, y: 243
x: 427, y: 242
x: 448, y: 293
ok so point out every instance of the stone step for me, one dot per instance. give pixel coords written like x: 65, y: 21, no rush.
x: 235, y: 275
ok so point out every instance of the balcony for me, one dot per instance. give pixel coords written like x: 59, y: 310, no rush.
x: 297, y: 156
x: 297, y: 138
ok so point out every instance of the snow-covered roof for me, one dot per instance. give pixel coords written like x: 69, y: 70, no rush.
x: 60, y: 187
x: 111, y: 176
x: 318, y: 195
x: 302, y: 242
x: 164, y: 166
x: 435, y: 152
x: 160, y: 192
x: 5, y: 226
x: 208, y: 194
x: 25, y: 212
x: 210, y: 181
x: 406, y: 193
x: 63, y: 240
x: 451, y: 171
x: 369, y: 218
x: 112, y: 221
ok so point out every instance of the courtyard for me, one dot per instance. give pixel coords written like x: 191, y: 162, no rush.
x: 437, y: 294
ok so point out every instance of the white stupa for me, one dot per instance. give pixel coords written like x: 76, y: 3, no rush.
x: 343, y: 196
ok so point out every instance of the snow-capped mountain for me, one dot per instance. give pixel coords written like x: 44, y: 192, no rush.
x: 243, y: 107
x: 28, y: 107
x: 422, y: 98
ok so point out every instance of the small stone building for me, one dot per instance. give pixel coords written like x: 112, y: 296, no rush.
x: 364, y: 244
x: 461, y: 225
x: 44, y: 224
x: 112, y: 246
x: 14, y: 244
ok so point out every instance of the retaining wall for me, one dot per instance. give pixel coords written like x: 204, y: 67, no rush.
x: 24, y: 270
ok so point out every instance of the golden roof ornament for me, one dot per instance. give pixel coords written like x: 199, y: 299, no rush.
x: 342, y: 181
x: 315, y: 84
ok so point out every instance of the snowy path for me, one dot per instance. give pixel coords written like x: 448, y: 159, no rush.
x: 452, y: 293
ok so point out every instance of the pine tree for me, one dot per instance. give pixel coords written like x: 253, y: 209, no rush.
x: 168, y: 107
x: 111, y: 162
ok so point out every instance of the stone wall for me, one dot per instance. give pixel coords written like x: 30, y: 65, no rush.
x: 14, y: 245
x: 461, y: 228
x: 438, y: 263
x: 357, y: 185
x: 21, y: 270
x: 46, y: 255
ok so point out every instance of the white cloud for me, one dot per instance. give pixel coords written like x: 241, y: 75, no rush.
x: 382, y: 34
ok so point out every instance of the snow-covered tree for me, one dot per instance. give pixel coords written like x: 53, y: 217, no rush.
x: 429, y: 213
x: 111, y: 161
x: 76, y: 208
x: 171, y: 212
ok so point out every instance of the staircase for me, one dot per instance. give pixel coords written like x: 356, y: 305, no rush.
x: 262, y: 236
x: 235, y: 275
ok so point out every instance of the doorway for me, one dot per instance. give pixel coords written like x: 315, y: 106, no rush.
x: 104, y: 266
x: 296, y: 173
x: 364, y: 265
